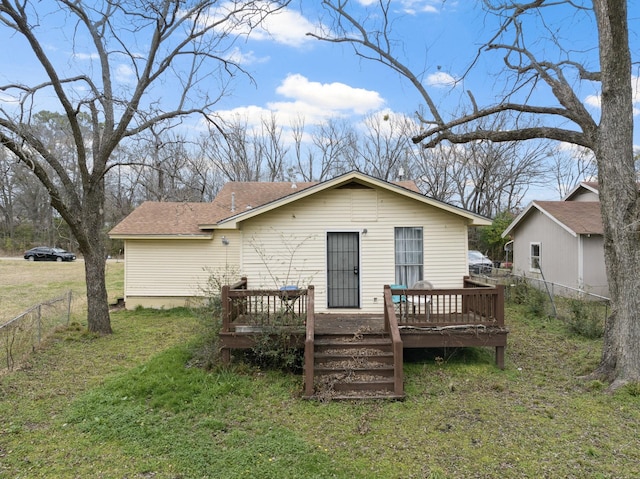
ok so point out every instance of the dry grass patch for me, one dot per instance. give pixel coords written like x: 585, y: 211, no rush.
x: 24, y: 284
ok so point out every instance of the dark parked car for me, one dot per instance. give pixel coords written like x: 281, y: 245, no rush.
x: 479, y: 263
x: 44, y: 253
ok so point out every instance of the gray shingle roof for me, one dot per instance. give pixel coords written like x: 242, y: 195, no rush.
x: 182, y: 219
x: 582, y: 217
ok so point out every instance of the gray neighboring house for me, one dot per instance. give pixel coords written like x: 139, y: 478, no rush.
x: 562, y: 241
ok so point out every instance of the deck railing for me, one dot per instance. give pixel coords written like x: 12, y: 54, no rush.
x: 391, y: 327
x: 474, y: 304
x: 249, y: 310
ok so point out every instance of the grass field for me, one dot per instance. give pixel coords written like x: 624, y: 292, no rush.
x: 26, y: 283
x: 133, y: 405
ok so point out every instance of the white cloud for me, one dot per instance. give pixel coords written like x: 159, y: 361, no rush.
x: 245, y: 58
x: 8, y: 99
x: 314, y: 101
x: 411, y: 7
x: 85, y: 56
x: 334, y: 97
x: 284, y: 26
x: 595, y: 100
x: 251, y: 114
x: 287, y: 27
x: 441, y: 80
x: 124, y: 73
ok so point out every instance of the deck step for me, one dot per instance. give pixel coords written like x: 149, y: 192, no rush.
x: 348, y: 341
x: 352, y: 366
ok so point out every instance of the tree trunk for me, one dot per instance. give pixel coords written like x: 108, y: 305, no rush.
x: 620, y: 361
x: 98, y: 319
x: 91, y: 241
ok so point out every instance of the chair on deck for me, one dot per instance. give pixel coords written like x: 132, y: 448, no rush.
x: 423, y: 302
x: 399, y: 300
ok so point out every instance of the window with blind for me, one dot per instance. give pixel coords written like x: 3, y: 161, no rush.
x: 409, y: 255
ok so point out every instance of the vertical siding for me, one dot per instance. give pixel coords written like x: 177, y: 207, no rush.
x: 288, y: 245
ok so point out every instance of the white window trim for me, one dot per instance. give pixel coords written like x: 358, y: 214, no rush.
x: 531, y: 268
x: 417, y: 265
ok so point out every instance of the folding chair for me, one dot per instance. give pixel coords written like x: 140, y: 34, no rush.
x: 399, y: 300
x: 421, y: 303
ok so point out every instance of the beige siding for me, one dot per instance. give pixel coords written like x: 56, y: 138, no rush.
x: 288, y: 245
x: 158, y: 270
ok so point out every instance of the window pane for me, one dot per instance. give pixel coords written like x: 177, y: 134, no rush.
x: 535, y: 255
x: 409, y: 251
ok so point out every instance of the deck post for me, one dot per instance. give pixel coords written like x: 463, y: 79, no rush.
x: 225, y: 353
x: 391, y: 328
x: 309, y: 352
x: 226, y: 308
x: 500, y: 356
x: 499, y: 305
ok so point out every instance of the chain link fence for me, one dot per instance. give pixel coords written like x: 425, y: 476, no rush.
x: 582, y: 311
x: 20, y: 336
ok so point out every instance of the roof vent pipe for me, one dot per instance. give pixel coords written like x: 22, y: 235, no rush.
x: 233, y: 202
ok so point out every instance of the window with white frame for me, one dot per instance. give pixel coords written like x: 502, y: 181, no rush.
x: 409, y: 255
x: 534, y: 257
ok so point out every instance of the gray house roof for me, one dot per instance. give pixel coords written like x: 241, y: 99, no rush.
x: 578, y: 218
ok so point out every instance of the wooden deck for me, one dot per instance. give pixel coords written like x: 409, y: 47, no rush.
x: 436, y: 318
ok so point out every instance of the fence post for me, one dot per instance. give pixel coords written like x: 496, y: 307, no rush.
x: 39, y: 322
x: 69, y: 308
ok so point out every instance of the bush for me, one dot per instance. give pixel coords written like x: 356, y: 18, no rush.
x: 518, y: 292
x: 585, y: 320
x: 536, y: 302
x: 534, y: 299
x: 208, y: 309
x: 275, y: 347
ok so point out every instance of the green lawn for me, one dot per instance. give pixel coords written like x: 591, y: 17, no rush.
x: 132, y: 405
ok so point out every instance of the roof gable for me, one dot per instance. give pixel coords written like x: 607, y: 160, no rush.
x: 581, y: 188
x: 578, y: 218
x: 350, y: 180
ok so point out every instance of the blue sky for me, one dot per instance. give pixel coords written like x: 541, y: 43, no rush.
x: 296, y: 75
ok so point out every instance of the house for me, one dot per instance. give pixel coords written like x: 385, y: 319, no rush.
x: 335, y: 265
x: 347, y: 236
x: 562, y: 242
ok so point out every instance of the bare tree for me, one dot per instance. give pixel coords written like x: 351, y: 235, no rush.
x: 335, y: 143
x: 230, y: 149
x: 550, y: 61
x: 495, y: 177
x: 304, y: 159
x: 569, y: 166
x: 437, y: 172
x: 270, y: 147
x: 181, y: 47
x: 7, y: 186
x: 384, y: 145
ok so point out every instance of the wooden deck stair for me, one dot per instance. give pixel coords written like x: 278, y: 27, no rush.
x: 354, y: 366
